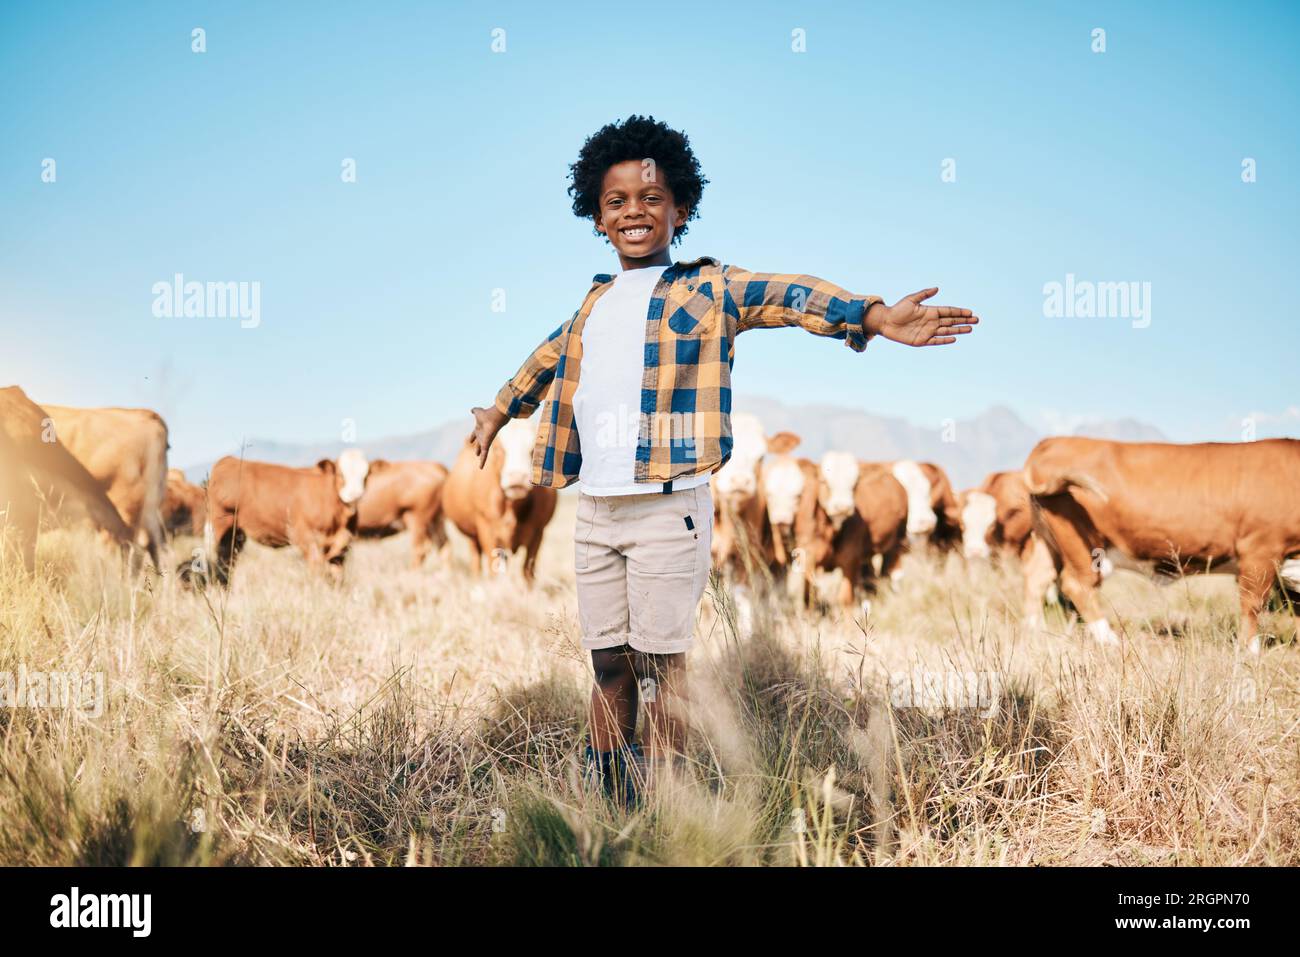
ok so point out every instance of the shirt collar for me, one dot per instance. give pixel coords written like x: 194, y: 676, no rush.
x: 604, y: 277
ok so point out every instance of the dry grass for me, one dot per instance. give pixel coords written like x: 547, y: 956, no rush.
x: 426, y: 717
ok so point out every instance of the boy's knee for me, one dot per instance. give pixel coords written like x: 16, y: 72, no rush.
x: 657, y: 667
x: 612, y: 666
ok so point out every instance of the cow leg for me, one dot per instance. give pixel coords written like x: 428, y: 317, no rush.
x: 1254, y: 580
x: 889, y: 560
x: 438, y: 536
x: 152, y: 537
x: 229, y: 545
x: 1039, y: 570
x: 1068, y: 528
x: 485, y: 546
x: 314, y: 553
x: 531, y: 548
x: 420, y: 544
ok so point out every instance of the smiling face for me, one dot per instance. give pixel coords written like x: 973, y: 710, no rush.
x: 638, y: 214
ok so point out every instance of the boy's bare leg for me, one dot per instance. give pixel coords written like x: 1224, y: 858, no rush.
x: 613, y: 698
x: 663, y: 684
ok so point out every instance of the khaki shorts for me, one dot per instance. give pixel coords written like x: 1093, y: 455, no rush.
x: 642, y: 562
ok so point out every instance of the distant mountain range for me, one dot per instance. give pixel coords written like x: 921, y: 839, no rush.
x: 968, y: 449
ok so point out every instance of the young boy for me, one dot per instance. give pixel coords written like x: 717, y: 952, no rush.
x: 638, y: 391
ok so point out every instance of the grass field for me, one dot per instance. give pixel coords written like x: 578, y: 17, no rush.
x: 427, y: 717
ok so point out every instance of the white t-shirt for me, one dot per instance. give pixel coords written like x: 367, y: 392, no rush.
x: 607, y: 403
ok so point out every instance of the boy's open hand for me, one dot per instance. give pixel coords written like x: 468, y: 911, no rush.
x: 487, y: 423
x: 912, y: 324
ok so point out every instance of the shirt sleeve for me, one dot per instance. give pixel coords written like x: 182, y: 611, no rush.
x: 520, y: 397
x: 768, y: 300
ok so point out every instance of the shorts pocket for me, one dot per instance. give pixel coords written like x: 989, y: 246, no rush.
x: 670, y: 533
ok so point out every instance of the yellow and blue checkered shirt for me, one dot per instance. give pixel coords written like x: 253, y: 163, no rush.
x: 696, y: 310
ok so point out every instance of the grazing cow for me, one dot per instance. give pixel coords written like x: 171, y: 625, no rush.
x: 741, y: 534
x: 126, y: 451
x: 781, y: 484
x: 314, y: 509
x: 848, y: 512
x: 1211, y: 506
x: 998, y: 515
x: 921, y: 520
x: 184, y: 508
x: 946, y: 535
x: 35, y: 462
x: 404, y: 496
x: 497, y: 507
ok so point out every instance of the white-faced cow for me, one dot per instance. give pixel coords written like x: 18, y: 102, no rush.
x: 921, y: 520
x: 848, y: 512
x: 997, y: 519
x: 313, y: 509
x: 947, y: 532
x: 741, y: 535
x: 497, y: 507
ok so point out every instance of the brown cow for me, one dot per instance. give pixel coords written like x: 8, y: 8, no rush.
x: 998, y: 515
x: 184, y: 508
x: 1211, y: 506
x: 126, y: 451
x: 849, y: 512
x: 313, y: 509
x: 946, y: 535
x: 404, y: 496
x: 496, y: 507
x: 33, y: 461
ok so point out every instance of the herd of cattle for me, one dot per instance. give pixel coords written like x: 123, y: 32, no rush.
x: 1077, y: 509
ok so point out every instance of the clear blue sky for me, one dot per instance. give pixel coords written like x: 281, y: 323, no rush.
x: 376, y: 296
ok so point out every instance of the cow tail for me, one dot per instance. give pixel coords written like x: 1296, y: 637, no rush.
x: 1063, y: 482
x: 1042, y: 529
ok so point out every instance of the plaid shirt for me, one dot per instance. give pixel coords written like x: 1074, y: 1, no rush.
x: 696, y: 310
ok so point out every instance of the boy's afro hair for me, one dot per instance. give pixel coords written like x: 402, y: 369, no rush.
x: 636, y: 138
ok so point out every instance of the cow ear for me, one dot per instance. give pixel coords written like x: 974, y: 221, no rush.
x: 377, y: 465
x: 327, y: 466
x: 782, y: 443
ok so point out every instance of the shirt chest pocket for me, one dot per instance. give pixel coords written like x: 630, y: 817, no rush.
x: 691, y: 309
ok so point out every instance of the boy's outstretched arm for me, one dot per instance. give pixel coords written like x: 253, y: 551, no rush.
x: 520, y: 397
x: 771, y: 300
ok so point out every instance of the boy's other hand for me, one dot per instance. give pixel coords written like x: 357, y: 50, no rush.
x: 487, y: 423
x: 912, y: 324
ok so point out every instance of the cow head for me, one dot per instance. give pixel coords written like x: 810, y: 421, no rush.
x: 351, y: 475
x: 516, y: 440
x: 783, y: 485
x: 839, y: 477
x: 979, y: 512
x: 921, y: 519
